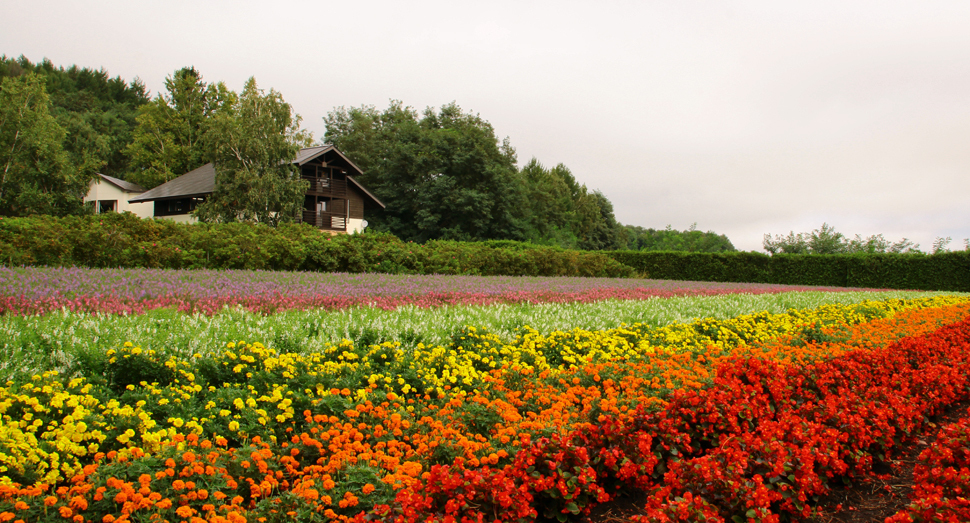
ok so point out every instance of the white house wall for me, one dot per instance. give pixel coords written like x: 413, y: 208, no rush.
x: 179, y: 218
x: 355, y: 225
x: 100, y: 190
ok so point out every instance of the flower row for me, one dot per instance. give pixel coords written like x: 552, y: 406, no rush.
x: 36, y: 283
x: 942, y: 478
x: 765, y: 439
x: 21, y: 305
x: 468, y: 399
x: 287, y: 408
x: 762, y: 442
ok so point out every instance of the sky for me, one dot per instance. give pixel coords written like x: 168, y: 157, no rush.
x: 738, y: 117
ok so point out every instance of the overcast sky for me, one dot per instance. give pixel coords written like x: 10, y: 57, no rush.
x: 745, y: 118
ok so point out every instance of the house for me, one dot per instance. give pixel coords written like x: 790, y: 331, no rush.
x: 334, y: 202
x: 109, y: 194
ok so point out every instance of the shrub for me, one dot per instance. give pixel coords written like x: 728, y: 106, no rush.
x: 124, y: 240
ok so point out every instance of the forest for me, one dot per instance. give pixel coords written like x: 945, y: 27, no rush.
x: 442, y: 172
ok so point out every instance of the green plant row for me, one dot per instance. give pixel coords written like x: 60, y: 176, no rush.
x: 123, y: 240
x: 66, y: 341
x: 948, y: 271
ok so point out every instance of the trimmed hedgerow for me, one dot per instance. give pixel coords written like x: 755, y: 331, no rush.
x: 949, y: 271
x: 123, y: 240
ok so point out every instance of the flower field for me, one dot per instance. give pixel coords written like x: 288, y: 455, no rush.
x: 744, y: 404
x: 37, y: 290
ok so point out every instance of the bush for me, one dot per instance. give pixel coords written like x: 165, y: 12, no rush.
x: 124, y: 240
x: 948, y: 271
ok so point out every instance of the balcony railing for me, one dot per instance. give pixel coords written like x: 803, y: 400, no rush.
x: 329, y: 221
x: 327, y: 187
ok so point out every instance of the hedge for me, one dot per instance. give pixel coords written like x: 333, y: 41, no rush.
x: 948, y: 271
x: 124, y: 240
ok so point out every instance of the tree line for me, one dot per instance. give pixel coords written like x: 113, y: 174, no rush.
x: 442, y: 173
x: 826, y: 240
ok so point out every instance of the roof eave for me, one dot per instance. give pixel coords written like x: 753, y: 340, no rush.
x: 368, y: 193
x: 176, y: 197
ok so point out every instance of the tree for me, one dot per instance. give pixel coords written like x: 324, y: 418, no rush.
x: 37, y: 176
x: 599, y: 231
x: 171, y: 135
x: 690, y: 240
x: 825, y: 240
x: 444, y: 175
x: 550, y: 200
x: 97, y: 112
x: 940, y: 244
x: 254, y: 142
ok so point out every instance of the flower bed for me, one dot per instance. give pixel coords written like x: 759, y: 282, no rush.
x: 133, y: 291
x: 942, y: 478
x: 468, y: 429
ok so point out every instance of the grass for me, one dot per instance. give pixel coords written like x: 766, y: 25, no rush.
x: 59, y: 340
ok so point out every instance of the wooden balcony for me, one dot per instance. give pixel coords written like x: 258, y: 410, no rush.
x: 327, y: 187
x: 328, y: 221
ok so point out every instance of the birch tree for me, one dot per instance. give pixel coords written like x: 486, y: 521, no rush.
x: 254, y: 143
x: 36, y: 176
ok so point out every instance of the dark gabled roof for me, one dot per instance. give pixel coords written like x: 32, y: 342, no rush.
x: 361, y: 187
x: 121, y: 184
x: 198, y: 182
x: 202, y: 181
x: 309, y: 153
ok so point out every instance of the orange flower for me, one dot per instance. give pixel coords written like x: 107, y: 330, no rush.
x: 79, y: 503
x: 184, y: 511
x: 367, y: 489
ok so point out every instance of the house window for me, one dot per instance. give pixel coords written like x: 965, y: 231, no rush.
x: 107, y: 206
x: 178, y: 206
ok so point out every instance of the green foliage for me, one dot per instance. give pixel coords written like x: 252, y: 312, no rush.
x: 124, y: 240
x: 171, y: 136
x: 946, y: 271
x: 564, y: 213
x: 98, y: 112
x: 444, y: 175
x: 825, y: 240
x: 254, y: 141
x: 690, y: 240
x: 36, y: 175
x: 130, y: 365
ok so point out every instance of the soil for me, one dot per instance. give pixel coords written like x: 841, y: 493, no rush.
x: 871, y: 501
